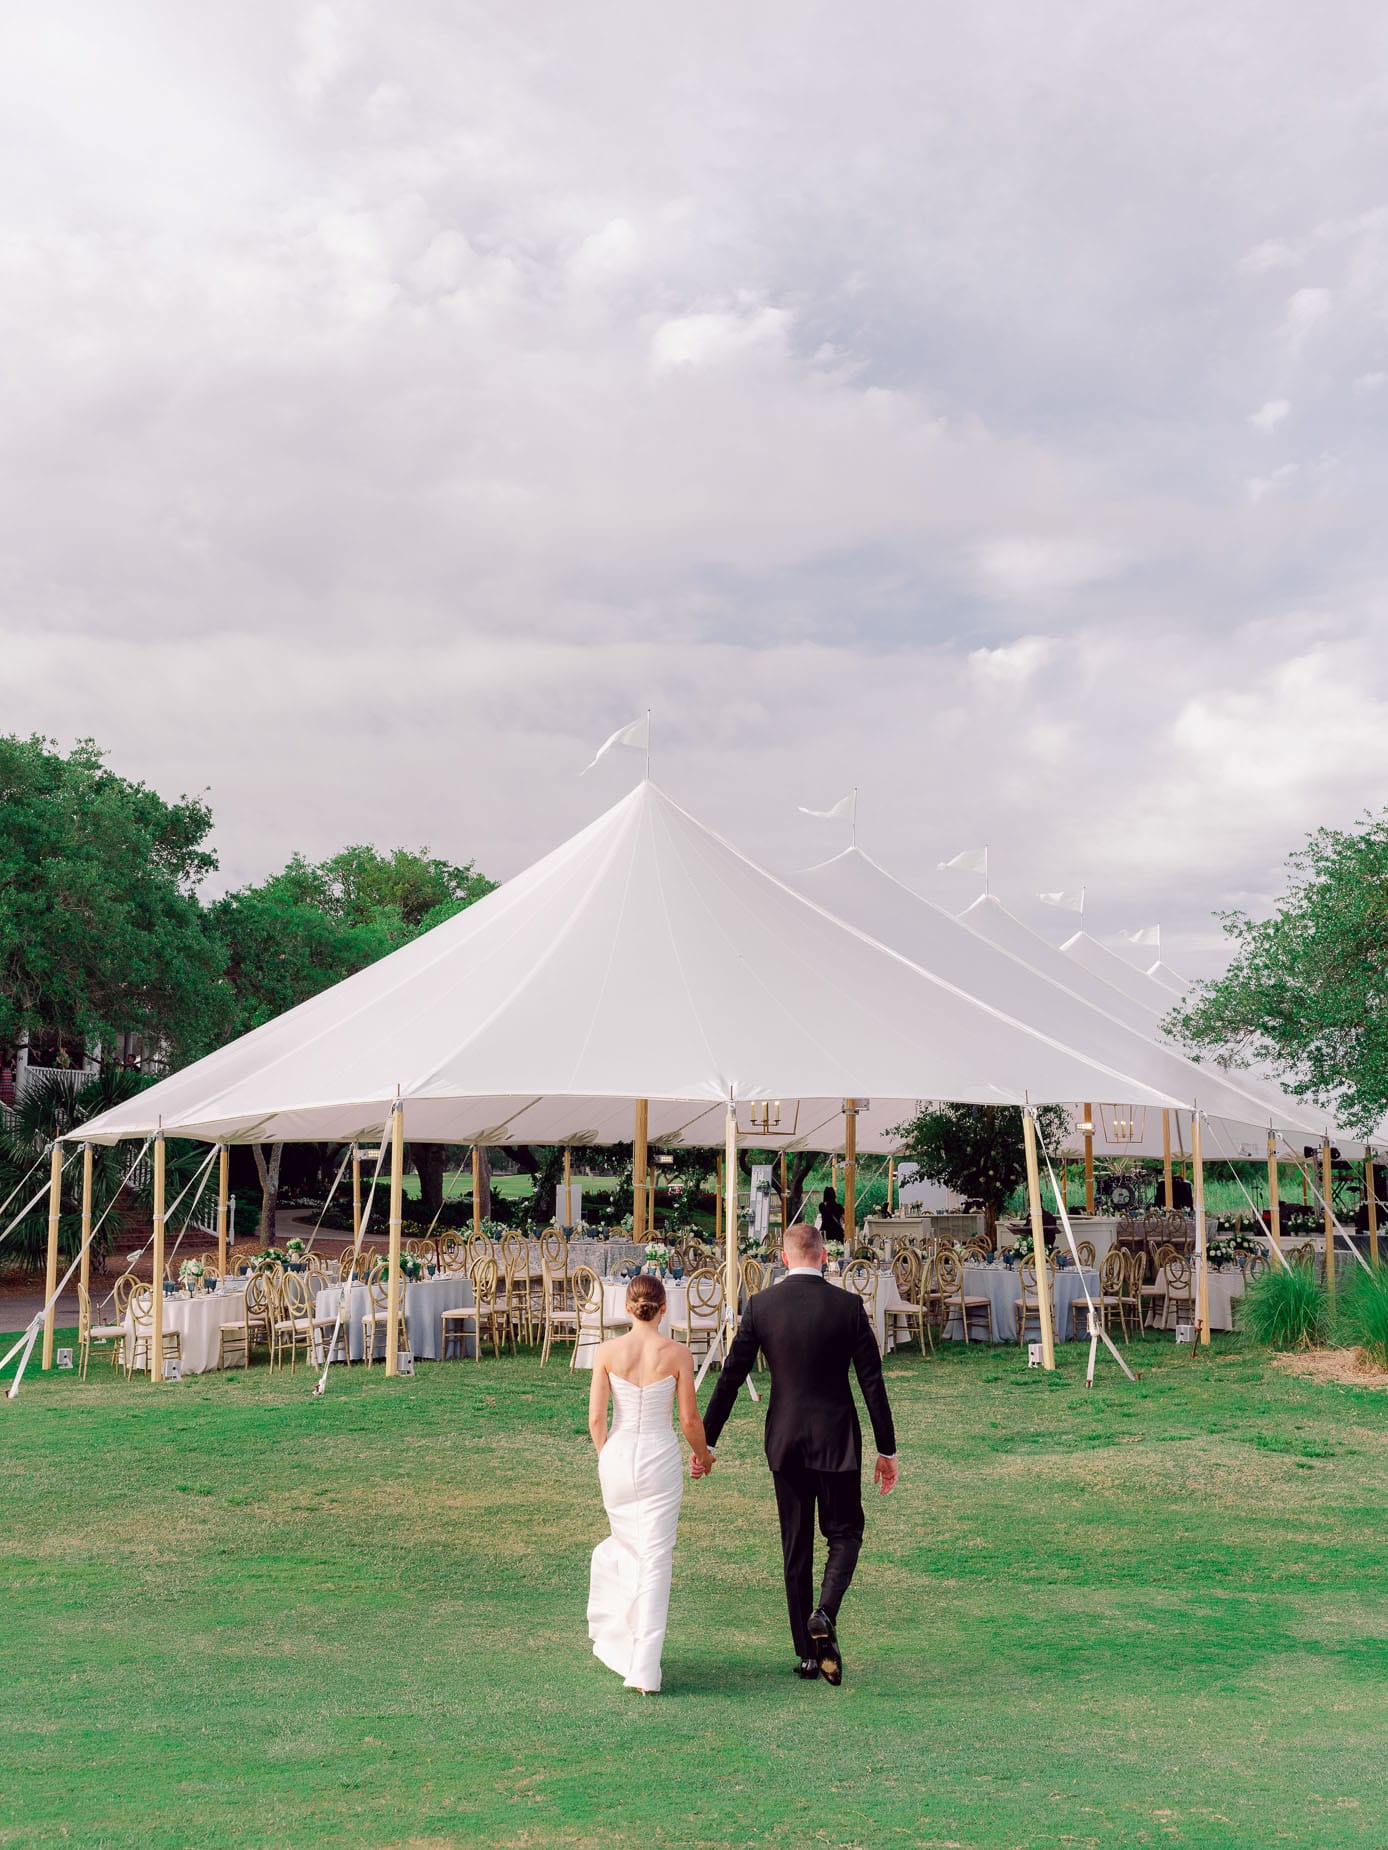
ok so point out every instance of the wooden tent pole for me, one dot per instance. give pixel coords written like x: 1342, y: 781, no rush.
x: 50, y: 1277
x: 1328, y: 1216
x: 1274, y: 1201
x: 640, y: 1156
x: 356, y: 1192
x: 1038, y: 1241
x: 397, y: 1215
x: 568, y: 1187
x: 730, y: 1265
x: 1089, y: 1159
x: 1202, y: 1258
x: 223, y: 1195
x: 785, y: 1199
x: 476, y: 1192
x: 156, y: 1326
x: 718, y: 1202
x: 850, y: 1172
x: 85, y: 1265
x: 891, y: 1177
x: 1372, y: 1201
x: 1166, y: 1177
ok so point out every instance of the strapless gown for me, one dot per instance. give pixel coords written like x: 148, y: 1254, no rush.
x: 642, y: 1476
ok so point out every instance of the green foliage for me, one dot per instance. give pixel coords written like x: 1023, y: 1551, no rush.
x: 1286, y: 1309
x: 101, y: 932
x: 51, y: 1105
x: 1361, y: 1316
x: 1307, y: 990
x: 976, y: 1150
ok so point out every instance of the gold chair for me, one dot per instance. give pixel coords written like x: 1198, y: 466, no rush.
x: 1085, y: 1249
x: 1256, y: 1266
x: 560, y: 1311
x: 334, y: 1317
x: 292, y: 1324
x: 375, y: 1325
x: 911, y: 1310
x: 485, y: 1316
x: 89, y: 1333
x: 1178, y: 1298
x: 949, y: 1285
x: 860, y: 1277
x: 139, y: 1348
x: 589, y: 1305
x: 515, y: 1265
x: 452, y: 1253
x: 703, y: 1312
x: 751, y: 1277
x: 1116, y: 1297
x: 1027, y: 1309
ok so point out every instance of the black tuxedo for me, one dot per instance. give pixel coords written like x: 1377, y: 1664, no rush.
x: 811, y: 1333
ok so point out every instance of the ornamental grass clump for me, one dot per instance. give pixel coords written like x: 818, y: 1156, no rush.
x: 1287, y: 1309
x: 1362, y: 1316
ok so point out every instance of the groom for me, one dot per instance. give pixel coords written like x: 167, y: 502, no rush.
x: 810, y: 1331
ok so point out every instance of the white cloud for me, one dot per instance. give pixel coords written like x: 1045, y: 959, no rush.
x: 711, y: 336
x: 1306, y: 309
x: 1024, y: 566
x: 1259, y: 487
x: 1273, y: 413
x: 1271, y: 254
x: 1371, y: 382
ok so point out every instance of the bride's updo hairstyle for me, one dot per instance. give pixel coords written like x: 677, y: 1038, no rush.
x: 646, y: 1298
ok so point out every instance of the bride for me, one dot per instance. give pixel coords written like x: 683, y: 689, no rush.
x: 642, y: 1477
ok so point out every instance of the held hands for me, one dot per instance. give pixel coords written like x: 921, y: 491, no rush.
x: 701, y: 1463
x: 884, y: 1475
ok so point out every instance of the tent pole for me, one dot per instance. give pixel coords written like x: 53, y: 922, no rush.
x: 85, y: 1274
x: 785, y: 1199
x: 356, y: 1193
x: 891, y: 1177
x: 850, y: 1172
x: 476, y: 1192
x: 718, y: 1202
x: 1202, y: 1260
x: 1089, y: 1159
x: 397, y: 1197
x: 568, y: 1187
x: 1328, y: 1215
x: 1372, y: 1202
x: 50, y: 1281
x: 1274, y: 1204
x: 1166, y: 1180
x: 223, y: 1185
x: 730, y: 1273
x: 156, y: 1326
x: 1038, y: 1240
x: 639, y: 1156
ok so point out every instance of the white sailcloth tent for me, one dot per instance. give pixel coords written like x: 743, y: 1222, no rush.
x: 860, y: 891
x: 643, y: 959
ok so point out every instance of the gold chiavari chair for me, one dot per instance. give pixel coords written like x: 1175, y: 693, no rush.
x: 590, y: 1311
x: 89, y: 1333
x: 949, y: 1283
x: 974, y: 1253
x: 237, y: 1337
x: 560, y: 1310
x: 376, y: 1322
x: 1116, y: 1298
x: 860, y: 1277
x: 1256, y: 1266
x: 751, y: 1277
x: 139, y: 1348
x: 911, y: 1310
x: 120, y: 1295
x: 1085, y: 1249
x: 515, y: 1260
x: 331, y: 1326
x: 1027, y: 1310
x: 703, y: 1312
x: 485, y: 1317
x: 1178, y: 1299
x: 452, y: 1253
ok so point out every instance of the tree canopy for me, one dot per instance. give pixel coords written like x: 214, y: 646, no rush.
x: 976, y: 1150
x: 1307, y: 990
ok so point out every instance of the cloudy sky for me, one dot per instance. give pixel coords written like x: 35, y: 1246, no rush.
x: 983, y: 406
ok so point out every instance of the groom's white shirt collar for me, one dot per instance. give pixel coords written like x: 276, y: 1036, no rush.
x: 809, y: 1271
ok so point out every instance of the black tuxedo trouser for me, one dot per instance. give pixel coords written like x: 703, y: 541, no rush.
x: 838, y: 1498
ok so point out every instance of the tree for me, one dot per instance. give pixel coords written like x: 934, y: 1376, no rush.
x: 1307, y: 990
x: 976, y: 1150
x: 101, y: 931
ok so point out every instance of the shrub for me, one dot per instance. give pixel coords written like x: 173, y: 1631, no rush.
x: 1362, y: 1314
x: 1287, y: 1309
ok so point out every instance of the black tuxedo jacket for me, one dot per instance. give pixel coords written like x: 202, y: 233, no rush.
x: 810, y: 1332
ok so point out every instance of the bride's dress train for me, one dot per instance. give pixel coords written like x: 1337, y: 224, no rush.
x: 641, y: 1471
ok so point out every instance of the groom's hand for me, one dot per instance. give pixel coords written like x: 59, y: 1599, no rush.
x: 884, y: 1475
x: 697, y: 1467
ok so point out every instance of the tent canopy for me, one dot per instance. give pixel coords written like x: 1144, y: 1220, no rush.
x: 644, y: 958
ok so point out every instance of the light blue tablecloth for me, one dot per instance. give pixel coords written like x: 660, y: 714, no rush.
x: 1002, y: 1286
x: 426, y: 1299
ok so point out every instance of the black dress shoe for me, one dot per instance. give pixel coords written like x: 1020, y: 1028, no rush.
x: 808, y: 1667
x: 826, y: 1643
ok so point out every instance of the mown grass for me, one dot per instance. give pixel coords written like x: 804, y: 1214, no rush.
x: 236, y: 1616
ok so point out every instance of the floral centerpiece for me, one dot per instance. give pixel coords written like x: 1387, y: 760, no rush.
x: 191, y: 1273
x: 411, y: 1268
x: 294, y: 1251
x: 834, y: 1250
x: 1023, y: 1245
x: 270, y: 1255
x: 657, y: 1256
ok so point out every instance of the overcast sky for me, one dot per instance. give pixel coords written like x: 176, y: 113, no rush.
x: 981, y: 405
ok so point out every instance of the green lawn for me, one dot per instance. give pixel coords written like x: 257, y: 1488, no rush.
x: 237, y: 1616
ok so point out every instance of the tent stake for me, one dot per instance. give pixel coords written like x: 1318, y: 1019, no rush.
x: 1038, y: 1241
x: 397, y: 1196
x: 55, y: 1203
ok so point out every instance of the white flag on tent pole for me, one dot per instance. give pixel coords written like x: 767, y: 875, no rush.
x: 971, y: 861
x: 637, y: 735
x: 1069, y: 902
x: 846, y: 806
x: 1145, y: 934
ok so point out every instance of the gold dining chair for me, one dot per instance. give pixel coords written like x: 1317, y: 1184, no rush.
x: 560, y: 1310
x: 375, y: 1324
x: 949, y: 1283
x: 140, y: 1346
x: 1027, y: 1310
x: 89, y: 1333
x: 703, y: 1310
x: 860, y: 1277
x: 910, y: 1310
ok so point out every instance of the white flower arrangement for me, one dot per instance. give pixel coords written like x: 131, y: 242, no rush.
x: 191, y: 1272
x: 834, y: 1248
x: 295, y: 1248
x: 657, y: 1251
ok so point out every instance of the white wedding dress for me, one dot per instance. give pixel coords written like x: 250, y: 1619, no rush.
x: 641, y: 1471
